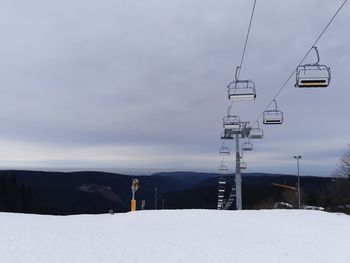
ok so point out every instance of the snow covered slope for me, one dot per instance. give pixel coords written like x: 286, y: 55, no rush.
x: 197, y: 236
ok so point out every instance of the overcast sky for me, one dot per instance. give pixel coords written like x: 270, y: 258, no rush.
x: 140, y: 86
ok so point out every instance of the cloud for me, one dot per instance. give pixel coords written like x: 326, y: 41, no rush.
x: 91, y: 76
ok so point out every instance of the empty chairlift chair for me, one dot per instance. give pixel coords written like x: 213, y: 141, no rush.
x: 247, y: 146
x: 221, y: 189
x: 241, y: 89
x: 243, y: 165
x: 222, y: 181
x: 223, y: 169
x: 256, y: 133
x: 224, y: 150
x: 231, y: 122
x: 313, y: 75
x: 221, y: 197
x: 273, y: 116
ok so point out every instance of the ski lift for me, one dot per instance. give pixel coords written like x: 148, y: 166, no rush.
x: 241, y: 89
x: 273, y: 116
x: 243, y: 165
x: 247, y: 146
x: 223, y: 169
x: 313, y: 75
x: 231, y: 122
x: 222, y: 181
x: 224, y: 150
x: 221, y: 189
x: 256, y: 133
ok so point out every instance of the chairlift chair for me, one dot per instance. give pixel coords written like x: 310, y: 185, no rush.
x: 241, y: 89
x: 256, y: 133
x: 273, y: 116
x: 222, y: 181
x: 224, y: 150
x: 223, y: 169
x: 231, y: 122
x: 243, y: 165
x: 313, y: 75
x: 221, y: 189
x: 247, y: 146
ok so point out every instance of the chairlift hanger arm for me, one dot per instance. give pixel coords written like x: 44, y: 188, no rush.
x: 318, y: 55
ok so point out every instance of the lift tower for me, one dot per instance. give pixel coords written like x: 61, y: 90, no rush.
x: 240, y: 131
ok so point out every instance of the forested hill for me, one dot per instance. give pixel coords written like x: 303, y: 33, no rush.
x: 97, y: 192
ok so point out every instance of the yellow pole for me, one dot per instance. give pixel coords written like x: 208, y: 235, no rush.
x: 133, y: 205
x: 134, y: 187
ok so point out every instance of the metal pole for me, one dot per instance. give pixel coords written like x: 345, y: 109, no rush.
x: 238, y: 176
x: 299, y: 194
x: 299, y: 183
x: 155, y: 198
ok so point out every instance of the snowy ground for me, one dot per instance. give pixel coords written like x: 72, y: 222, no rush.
x: 197, y: 236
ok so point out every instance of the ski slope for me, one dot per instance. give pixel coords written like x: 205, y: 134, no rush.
x: 197, y: 236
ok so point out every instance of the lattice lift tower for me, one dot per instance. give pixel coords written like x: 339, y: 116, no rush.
x: 238, y: 130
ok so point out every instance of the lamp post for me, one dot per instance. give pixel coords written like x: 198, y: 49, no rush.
x: 298, y: 157
x: 155, y: 198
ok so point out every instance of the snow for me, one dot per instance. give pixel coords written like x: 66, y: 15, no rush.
x: 164, y: 236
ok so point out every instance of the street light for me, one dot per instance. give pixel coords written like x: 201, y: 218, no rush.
x: 298, y: 157
x: 155, y: 198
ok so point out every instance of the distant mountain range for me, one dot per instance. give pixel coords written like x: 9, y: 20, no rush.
x: 97, y: 192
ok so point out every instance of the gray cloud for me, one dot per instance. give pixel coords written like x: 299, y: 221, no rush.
x: 153, y: 75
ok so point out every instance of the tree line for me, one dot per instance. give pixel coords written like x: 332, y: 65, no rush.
x: 15, y: 197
